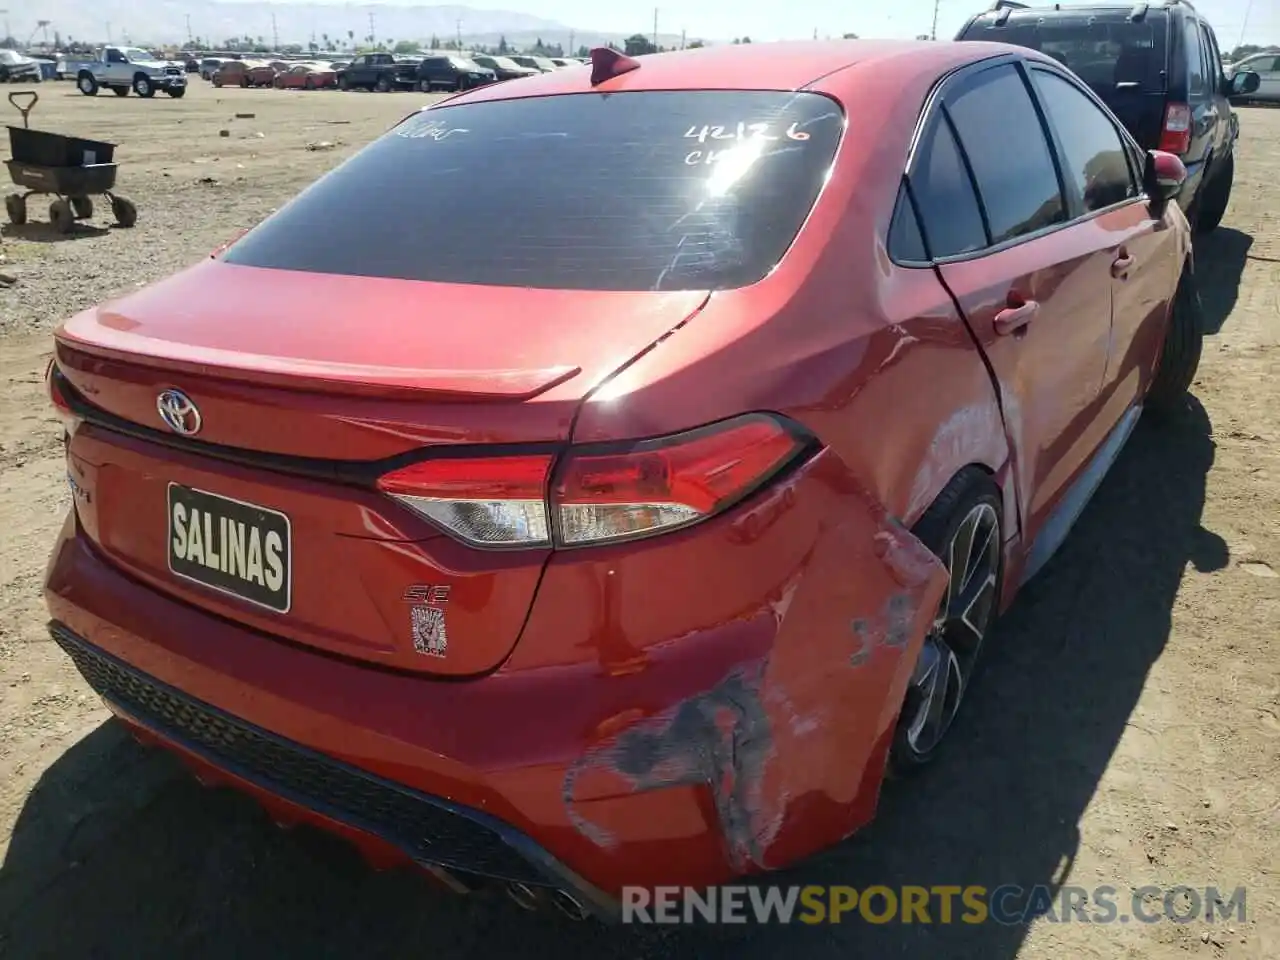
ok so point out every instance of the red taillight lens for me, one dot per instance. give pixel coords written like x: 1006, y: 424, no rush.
x: 599, y: 495
x: 490, y: 501
x: 1176, y: 135
x: 662, y: 484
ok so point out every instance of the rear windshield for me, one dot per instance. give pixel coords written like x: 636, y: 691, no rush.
x: 1102, y: 49
x: 628, y: 191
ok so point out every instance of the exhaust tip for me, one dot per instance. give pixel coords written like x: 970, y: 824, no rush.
x: 569, y: 905
x: 523, y: 895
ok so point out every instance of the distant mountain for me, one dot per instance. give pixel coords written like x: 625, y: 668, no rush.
x: 214, y: 21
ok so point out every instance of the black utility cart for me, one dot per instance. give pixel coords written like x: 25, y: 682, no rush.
x: 72, y: 169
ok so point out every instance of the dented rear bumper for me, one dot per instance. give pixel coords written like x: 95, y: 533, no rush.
x: 682, y: 710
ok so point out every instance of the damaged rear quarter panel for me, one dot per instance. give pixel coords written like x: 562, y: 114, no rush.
x: 807, y: 607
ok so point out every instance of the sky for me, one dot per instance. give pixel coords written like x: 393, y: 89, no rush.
x: 797, y: 19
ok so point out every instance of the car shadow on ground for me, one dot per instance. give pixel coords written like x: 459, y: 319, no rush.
x: 1220, y: 258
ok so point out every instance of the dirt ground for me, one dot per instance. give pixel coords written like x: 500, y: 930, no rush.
x: 1126, y: 730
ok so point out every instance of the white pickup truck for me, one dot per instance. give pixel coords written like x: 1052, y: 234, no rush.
x: 121, y: 69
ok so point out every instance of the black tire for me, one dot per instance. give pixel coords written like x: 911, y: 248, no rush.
x: 177, y: 92
x: 1180, y: 355
x: 120, y: 91
x: 86, y: 83
x: 424, y: 86
x: 83, y: 207
x: 15, y: 205
x: 1216, y: 195
x: 968, y: 510
x: 143, y: 86
x: 383, y: 84
x: 125, y: 212
x: 343, y: 83
x: 61, y: 216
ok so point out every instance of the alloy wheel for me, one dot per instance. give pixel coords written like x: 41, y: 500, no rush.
x: 950, y: 651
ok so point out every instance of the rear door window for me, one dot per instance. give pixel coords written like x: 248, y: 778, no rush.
x: 1194, y: 58
x: 1094, y: 153
x: 1213, y: 60
x: 680, y: 190
x: 1004, y: 142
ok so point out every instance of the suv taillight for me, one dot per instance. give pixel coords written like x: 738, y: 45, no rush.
x: 599, y: 494
x: 1176, y: 136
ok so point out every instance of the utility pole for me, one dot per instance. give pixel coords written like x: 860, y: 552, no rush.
x: 683, y: 34
x: 188, y: 29
x: 572, y: 48
x: 372, y: 32
x: 108, y: 30
x: 457, y: 26
x: 933, y: 34
x: 655, y: 29
x: 7, y: 32
x: 275, y: 35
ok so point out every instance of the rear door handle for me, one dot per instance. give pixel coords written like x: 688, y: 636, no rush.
x: 1012, y: 319
x: 1121, y: 265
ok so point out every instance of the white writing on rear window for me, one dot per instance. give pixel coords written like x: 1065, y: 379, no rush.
x: 745, y: 131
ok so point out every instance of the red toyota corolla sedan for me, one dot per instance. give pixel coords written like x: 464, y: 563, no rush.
x: 638, y: 475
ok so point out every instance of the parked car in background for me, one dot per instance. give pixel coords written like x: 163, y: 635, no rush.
x: 541, y: 64
x: 452, y: 73
x: 378, y: 71
x: 1267, y: 67
x: 17, y: 68
x: 1157, y: 67
x: 121, y: 69
x: 307, y: 76
x: 209, y: 66
x: 339, y: 64
x: 192, y: 65
x: 504, y: 68
x: 263, y: 74
x: 565, y: 62
x: 736, y: 576
x: 232, y: 73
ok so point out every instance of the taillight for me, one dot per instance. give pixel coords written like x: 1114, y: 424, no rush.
x: 1176, y: 136
x: 600, y: 494
x: 60, y: 404
x: 658, y: 485
x: 491, y: 501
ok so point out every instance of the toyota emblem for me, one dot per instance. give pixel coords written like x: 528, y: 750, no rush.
x: 179, y: 412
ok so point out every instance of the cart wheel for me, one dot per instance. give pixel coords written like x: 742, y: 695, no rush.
x: 61, y: 216
x: 15, y: 204
x: 126, y: 213
x: 83, y: 206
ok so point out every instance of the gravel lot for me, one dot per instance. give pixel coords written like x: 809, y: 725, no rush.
x: 1126, y: 730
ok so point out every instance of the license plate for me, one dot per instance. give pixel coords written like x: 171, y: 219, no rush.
x: 231, y: 546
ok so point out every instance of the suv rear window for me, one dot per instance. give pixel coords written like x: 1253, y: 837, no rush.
x: 679, y: 190
x: 1101, y: 48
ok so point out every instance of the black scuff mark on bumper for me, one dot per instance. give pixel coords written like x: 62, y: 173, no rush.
x: 720, y: 738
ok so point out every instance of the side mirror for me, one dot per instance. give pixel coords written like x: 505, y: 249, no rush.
x: 1163, y: 176
x: 1243, y: 83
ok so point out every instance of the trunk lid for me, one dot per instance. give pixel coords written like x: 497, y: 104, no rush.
x: 304, y: 385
